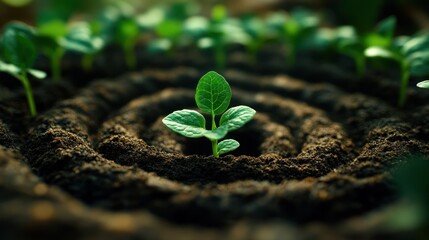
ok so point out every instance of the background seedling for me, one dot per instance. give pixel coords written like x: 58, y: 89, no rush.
x: 213, y: 95
x: 355, y: 45
x: 256, y: 30
x: 293, y: 29
x: 86, y: 42
x: 17, y: 56
x: 119, y: 25
x: 412, y: 55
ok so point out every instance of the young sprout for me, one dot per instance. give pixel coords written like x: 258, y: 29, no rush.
x: 119, y: 25
x: 293, y: 29
x: 54, y: 38
x: 256, y: 30
x: 411, y: 54
x: 17, y: 56
x: 354, y: 46
x: 170, y: 31
x: 217, y: 33
x: 86, y: 42
x: 50, y: 41
x: 213, y: 95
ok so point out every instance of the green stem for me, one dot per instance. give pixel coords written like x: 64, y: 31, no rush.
x: 360, y: 65
x: 130, y: 57
x: 405, y: 76
x: 252, y: 52
x: 56, y: 63
x: 291, y: 55
x: 220, y: 56
x: 214, y: 142
x: 29, y: 93
x: 87, y: 62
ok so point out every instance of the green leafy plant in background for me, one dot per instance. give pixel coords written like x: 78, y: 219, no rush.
x: 256, y: 30
x: 355, y: 45
x: 118, y: 24
x: 213, y: 95
x: 412, y: 55
x: 411, y: 180
x: 54, y: 38
x: 17, y: 56
x: 217, y: 33
x: 170, y: 26
x: 362, y: 14
x: 292, y: 29
x: 86, y: 42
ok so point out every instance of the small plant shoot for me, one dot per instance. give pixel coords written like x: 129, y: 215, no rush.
x: 17, y: 56
x: 412, y: 56
x: 213, y: 95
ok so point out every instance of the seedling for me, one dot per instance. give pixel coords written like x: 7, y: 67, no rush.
x: 355, y: 46
x: 170, y: 31
x: 293, y: 29
x: 213, y: 95
x: 86, y: 42
x: 412, y: 56
x: 120, y: 26
x: 256, y: 30
x: 17, y: 56
x: 54, y: 38
x: 220, y: 31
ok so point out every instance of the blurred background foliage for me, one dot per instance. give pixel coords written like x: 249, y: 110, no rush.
x: 362, y: 14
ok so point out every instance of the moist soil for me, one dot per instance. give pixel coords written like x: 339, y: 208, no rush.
x: 97, y: 162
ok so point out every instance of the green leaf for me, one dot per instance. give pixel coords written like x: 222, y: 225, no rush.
x: 227, y: 145
x: 18, y: 49
x: 350, y: 47
x: 386, y: 27
x: 9, y: 68
x: 36, y: 73
x: 219, y: 13
x: 170, y: 29
x: 213, y: 93
x: 80, y: 39
x: 21, y: 27
x: 419, y: 63
x: 159, y: 46
x: 234, y: 118
x: 423, y: 84
x: 127, y: 29
x: 216, y: 134
x: 188, y: 123
x: 416, y: 44
x: 53, y: 29
x: 378, y: 52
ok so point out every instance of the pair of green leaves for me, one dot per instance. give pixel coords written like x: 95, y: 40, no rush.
x: 18, y: 52
x: 213, y: 95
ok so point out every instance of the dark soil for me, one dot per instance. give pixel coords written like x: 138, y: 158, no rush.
x: 98, y: 163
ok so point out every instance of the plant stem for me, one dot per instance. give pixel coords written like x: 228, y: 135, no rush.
x: 291, y: 55
x: 87, y: 62
x: 220, y: 57
x: 214, y: 142
x: 360, y: 65
x: 29, y: 93
x: 405, y: 76
x: 56, y: 63
x: 130, y: 57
